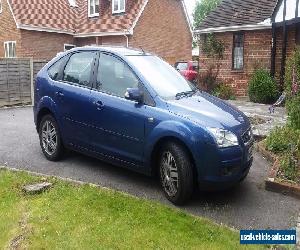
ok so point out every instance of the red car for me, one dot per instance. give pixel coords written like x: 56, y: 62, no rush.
x: 188, y: 69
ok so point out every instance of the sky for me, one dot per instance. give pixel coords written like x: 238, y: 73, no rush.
x: 190, y: 5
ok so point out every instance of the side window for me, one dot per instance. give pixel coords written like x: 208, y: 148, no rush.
x: 56, y: 68
x: 182, y: 66
x: 78, y: 69
x: 114, y: 76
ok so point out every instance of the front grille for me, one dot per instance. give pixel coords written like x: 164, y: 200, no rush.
x: 247, y: 136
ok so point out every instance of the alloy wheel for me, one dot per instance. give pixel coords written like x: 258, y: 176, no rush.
x: 169, y: 174
x: 49, y: 137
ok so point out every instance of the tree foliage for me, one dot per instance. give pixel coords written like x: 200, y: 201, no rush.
x: 202, y: 9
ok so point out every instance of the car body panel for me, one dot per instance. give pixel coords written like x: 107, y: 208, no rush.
x: 125, y: 133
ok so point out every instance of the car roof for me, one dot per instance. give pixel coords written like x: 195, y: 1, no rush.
x: 122, y: 51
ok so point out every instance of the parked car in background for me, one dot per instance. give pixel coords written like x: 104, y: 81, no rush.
x: 189, y: 69
x: 134, y: 110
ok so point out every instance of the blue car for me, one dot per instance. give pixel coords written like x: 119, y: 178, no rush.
x: 130, y: 108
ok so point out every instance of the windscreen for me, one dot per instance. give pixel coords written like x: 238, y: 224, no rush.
x: 164, y: 79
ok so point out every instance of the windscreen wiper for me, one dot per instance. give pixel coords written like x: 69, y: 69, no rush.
x: 185, y: 94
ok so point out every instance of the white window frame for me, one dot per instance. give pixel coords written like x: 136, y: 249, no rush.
x: 90, y: 2
x: 7, y: 52
x: 73, y: 3
x: 67, y: 44
x: 1, y: 8
x: 119, y: 4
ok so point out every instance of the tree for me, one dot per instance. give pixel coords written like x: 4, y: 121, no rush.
x: 202, y: 9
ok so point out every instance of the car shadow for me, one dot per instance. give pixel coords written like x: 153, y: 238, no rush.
x: 143, y: 186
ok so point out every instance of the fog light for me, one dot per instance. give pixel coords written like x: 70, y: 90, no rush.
x: 229, y: 171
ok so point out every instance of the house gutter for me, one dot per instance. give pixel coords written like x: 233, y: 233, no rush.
x: 121, y: 33
x: 260, y: 26
x: 42, y: 29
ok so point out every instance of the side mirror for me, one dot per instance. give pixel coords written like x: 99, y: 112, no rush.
x: 134, y: 94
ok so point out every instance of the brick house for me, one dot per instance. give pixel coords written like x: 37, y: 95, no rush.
x: 41, y: 29
x: 254, y: 35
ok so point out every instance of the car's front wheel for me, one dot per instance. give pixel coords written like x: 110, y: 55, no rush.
x: 176, y: 173
x: 50, y: 139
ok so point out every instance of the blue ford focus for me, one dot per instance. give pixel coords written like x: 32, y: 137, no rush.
x: 134, y: 110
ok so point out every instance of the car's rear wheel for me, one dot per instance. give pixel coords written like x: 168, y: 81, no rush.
x: 50, y: 139
x: 176, y: 173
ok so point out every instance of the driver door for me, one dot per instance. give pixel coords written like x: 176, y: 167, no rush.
x: 118, y: 123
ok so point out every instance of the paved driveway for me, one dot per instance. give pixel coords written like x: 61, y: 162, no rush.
x: 246, y: 206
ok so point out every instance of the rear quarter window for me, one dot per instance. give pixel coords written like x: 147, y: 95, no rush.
x: 55, y: 70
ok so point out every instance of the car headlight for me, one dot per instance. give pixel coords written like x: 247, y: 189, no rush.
x: 224, y: 138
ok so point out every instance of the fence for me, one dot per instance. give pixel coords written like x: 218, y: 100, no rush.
x: 16, y: 80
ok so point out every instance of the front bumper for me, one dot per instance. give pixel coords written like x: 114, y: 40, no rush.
x: 224, y: 167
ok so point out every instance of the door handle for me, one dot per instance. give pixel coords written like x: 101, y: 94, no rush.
x: 99, y: 105
x: 59, y: 94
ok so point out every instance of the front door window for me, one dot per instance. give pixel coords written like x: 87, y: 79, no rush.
x: 114, y: 76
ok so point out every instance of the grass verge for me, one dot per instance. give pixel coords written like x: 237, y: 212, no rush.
x: 71, y: 216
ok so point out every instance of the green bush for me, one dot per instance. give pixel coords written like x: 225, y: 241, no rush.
x: 281, y: 140
x: 292, y: 67
x: 289, y: 167
x: 292, y: 78
x: 224, y: 91
x: 285, y: 142
x: 293, y: 108
x: 262, y: 87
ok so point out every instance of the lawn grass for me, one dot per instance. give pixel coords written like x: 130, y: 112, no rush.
x: 71, y: 216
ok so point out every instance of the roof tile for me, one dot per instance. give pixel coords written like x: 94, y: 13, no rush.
x: 239, y: 12
x: 59, y: 15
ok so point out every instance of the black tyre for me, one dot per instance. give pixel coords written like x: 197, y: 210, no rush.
x: 176, y: 173
x: 50, y: 139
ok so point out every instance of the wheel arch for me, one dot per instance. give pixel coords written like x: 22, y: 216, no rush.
x: 160, y: 143
x: 45, y: 106
x: 44, y: 111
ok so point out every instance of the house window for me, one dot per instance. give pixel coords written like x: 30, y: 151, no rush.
x: 69, y: 46
x: 10, y: 49
x: 72, y: 3
x: 118, y: 6
x: 93, y: 8
x: 238, y: 52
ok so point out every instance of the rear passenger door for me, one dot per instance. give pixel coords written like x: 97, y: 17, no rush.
x: 73, y: 95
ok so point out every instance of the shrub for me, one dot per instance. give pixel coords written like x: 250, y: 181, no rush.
x: 262, y: 87
x: 281, y: 139
x: 224, y: 91
x: 292, y: 89
x: 285, y: 142
x: 292, y: 73
x: 289, y: 167
x: 293, y: 108
x: 208, y: 79
x: 212, y: 47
